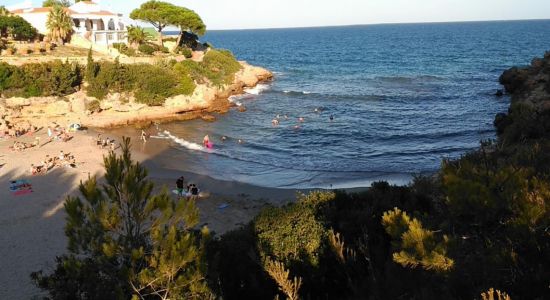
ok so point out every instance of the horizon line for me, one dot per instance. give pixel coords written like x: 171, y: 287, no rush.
x: 382, y: 23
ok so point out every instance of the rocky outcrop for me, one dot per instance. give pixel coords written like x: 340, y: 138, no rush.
x: 531, y: 84
x: 527, y: 117
x: 121, y: 109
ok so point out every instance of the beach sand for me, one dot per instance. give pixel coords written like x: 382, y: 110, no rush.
x: 32, y: 225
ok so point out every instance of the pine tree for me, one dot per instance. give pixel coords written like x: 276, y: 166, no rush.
x: 124, y: 241
x: 416, y: 246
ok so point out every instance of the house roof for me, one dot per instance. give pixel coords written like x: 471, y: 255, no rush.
x: 37, y: 10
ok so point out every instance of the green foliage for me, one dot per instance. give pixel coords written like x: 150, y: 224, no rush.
x: 124, y: 242
x: 161, y: 14
x: 416, y: 246
x: 52, y: 3
x: 188, y: 53
x: 290, y: 233
x: 124, y: 49
x: 218, y: 68
x: 59, y: 24
x: 150, y: 84
x: 146, y: 49
x: 137, y: 35
x: 17, y: 27
x: 54, y: 78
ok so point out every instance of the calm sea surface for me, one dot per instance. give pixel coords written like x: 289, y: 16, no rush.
x: 402, y: 97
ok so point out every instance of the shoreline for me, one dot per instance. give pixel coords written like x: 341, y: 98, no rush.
x: 33, y: 224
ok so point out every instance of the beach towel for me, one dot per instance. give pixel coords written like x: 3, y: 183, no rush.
x: 20, y: 187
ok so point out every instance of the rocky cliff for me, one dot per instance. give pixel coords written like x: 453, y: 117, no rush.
x: 528, y: 117
x: 120, y: 109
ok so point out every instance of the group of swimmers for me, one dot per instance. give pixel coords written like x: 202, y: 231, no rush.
x: 276, y: 120
x: 61, y: 160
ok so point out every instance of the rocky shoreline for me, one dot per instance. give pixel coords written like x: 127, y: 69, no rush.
x: 122, y: 110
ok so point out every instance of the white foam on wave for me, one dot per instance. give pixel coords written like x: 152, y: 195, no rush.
x: 184, y: 143
x: 257, y: 89
x: 235, y: 100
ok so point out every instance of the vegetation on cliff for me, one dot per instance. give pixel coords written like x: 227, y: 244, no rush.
x: 149, y: 84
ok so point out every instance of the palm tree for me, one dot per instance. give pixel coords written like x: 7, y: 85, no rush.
x: 4, y: 11
x: 136, y: 35
x: 59, y: 24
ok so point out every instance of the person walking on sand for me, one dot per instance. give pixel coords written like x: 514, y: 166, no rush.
x: 143, y: 136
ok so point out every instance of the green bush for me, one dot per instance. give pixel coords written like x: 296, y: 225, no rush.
x: 18, y: 27
x: 220, y: 66
x: 146, y: 49
x: 124, y: 49
x: 155, y: 85
x: 54, y: 78
x: 188, y: 53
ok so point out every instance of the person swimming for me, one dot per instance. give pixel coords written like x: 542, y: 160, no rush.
x: 274, y: 122
x: 206, y: 140
x: 223, y: 138
x: 331, y: 117
x: 301, y: 119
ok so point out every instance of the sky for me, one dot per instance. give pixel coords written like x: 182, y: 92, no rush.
x: 245, y: 14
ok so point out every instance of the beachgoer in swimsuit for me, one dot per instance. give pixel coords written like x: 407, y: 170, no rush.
x: 143, y: 136
x: 206, y: 140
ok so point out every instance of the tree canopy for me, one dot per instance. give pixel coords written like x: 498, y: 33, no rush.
x: 126, y: 243
x: 162, y: 14
x: 16, y: 27
x: 52, y: 3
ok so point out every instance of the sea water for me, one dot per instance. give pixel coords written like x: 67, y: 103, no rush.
x: 402, y: 98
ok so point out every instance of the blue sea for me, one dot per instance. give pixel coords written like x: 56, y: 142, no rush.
x: 402, y: 98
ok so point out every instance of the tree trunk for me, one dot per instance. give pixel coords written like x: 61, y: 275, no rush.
x: 180, y: 38
x: 160, y: 38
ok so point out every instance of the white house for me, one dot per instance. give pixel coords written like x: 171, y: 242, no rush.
x: 90, y: 21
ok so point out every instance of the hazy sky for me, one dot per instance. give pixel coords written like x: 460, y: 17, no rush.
x: 227, y: 14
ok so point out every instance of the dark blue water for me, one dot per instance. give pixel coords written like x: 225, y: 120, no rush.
x: 403, y: 97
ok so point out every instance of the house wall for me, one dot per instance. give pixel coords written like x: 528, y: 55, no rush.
x: 37, y: 20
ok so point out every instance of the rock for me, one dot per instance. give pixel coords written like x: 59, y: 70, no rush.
x: 242, y: 108
x: 499, y: 93
x: 208, y: 118
x: 17, y: 101
x: 129, y: 107
x: 58, y: 108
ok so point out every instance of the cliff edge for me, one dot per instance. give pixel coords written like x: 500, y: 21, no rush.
x: 121, y: 109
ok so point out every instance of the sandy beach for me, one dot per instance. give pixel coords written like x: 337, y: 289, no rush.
x: 32, y: 224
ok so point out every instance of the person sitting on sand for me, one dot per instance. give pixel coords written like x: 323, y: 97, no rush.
x: 34, y: 169
x: 61, y: 155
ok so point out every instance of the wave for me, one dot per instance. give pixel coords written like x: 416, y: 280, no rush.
x: 235, y: 100
x: 185, y: 143
x: 258, y: 89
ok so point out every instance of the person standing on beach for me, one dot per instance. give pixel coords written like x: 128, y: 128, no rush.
x: 180, y: 185
x: 143, y: 136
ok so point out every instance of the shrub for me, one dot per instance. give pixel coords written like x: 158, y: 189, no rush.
x: 18, y: 27
x: 146, y: 49
x: 40, y: 79
x: 220, y: 66
x: 188, y: 53
x: 154, y: 86
x: 124, y: 49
